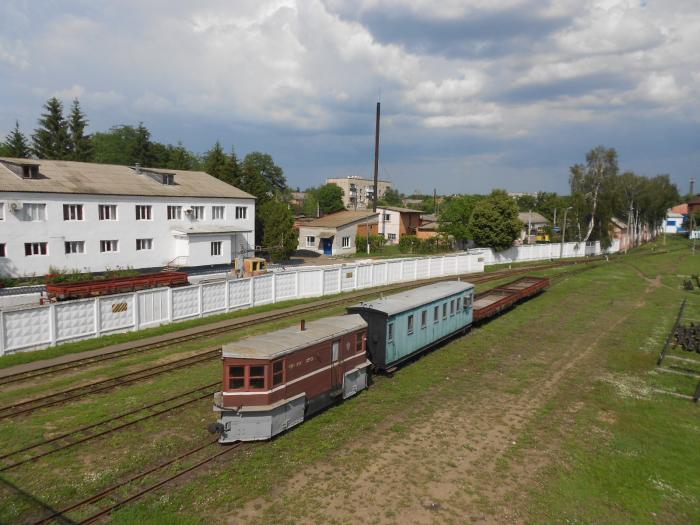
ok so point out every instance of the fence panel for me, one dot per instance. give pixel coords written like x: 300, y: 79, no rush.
x: 449, y: 265
x: 213, y: 297
x: 262, y: 289
x: 379, y: 274
x: 285, y: 286
x: 310, y: 283
x: 185, y: 302
x: 423, y: 265
x: 331, y: 281
x: 393, y: 271
x: 76, y: 319
x: 116, y: 312
x: 26, y: 328
x: 409, y: 269
x: 239, y: 293
x: 347, y: 278
x: 364, y: 276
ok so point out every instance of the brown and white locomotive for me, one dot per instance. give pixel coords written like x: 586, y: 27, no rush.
x: 272, y: 381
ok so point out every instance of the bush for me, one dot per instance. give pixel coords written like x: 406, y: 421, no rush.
x: 376, y: 243
x: 409, y: 244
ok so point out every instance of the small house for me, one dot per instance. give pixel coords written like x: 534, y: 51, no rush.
x: 335, y: 233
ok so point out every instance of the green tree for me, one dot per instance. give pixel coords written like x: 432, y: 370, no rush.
x: 279, y: 237
x: 391, y: 197
x: 217, y: 164
x: 456, y: 214
x: 51, y: 139
x: 16, y: 144
x: 260, y: 176
x: 494, y: 222
x: 81, y: 148
x: 142, y: 148
x: 329, y: 198
x: 115, y: 146
x: 180, y: 158
x: 527, y: 202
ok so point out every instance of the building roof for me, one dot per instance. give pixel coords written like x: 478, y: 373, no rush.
x: 341, y: 218
x: 411, y: 299
x: 533, y: 217
x: 674, y: 215
x: 680, y: 208
x: 107, y: 179
x: 354, y: 178
x: 429, y: 226
x: 398, y: 209
x: 281, y: 342
x: 619, y: 223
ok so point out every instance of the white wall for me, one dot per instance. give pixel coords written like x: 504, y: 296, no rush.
x: 393, y: 225
x: 126, y: 229
x: 349, y: 230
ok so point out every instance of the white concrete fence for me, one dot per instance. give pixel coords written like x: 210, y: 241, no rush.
x: 37, y: 327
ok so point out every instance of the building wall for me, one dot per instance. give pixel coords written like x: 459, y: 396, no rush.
x: 397, y: 225
x: 55, y: 231
x: 349, y: 230
x: 358, y: 199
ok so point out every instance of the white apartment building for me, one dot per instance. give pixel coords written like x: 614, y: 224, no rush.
x: 92, y: 217
x: 358, y: 192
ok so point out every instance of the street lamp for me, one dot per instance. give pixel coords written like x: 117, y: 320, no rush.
x: 563, y: 234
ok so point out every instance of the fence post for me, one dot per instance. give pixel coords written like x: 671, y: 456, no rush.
x: 274, y: 287
x: 201, y: 300
x: 323, y: 282
x: 354, y: 281
x: 371, y: 274
x: 136, y: 311
x: 2, y: 334
x: 98, y: 317
x: 227, y: 293
x: 296, y: 284
x: 251, y: 291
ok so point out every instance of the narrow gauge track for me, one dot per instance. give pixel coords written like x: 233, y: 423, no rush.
x: 85, y: 433
x: 57, y: 398
x: 207, y: 331
x: 111, y: 490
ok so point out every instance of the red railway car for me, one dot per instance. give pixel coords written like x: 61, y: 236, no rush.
x: 273, y: 381
x: 82, y: 289
x: 489, y: 304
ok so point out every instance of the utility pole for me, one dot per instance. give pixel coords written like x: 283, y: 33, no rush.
x: 435, y: 201
x: 563, y: 234
x: 367, y: 227
x: 376, y: 160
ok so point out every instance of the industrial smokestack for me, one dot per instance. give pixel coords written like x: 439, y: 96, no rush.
x: 692, y: 186
x: 376, y: 160
x: 303, y: 325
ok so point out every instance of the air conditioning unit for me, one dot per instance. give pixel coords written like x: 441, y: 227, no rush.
x: 15, y: 206
x: 188, y: 210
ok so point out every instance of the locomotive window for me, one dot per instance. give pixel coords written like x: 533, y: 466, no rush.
x: 410, y: 324
x: 256, y: 377
x: 236, y: 376
x: 358, y: 342
x: 436, y: 314
x: 277, y: 372
x: 423, y: 319
x: 390, y: 336
x: 444, y: 310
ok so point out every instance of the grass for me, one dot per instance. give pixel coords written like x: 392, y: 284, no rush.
x: 607, y: 449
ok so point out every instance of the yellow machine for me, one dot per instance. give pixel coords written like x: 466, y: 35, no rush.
x: 251, y: 266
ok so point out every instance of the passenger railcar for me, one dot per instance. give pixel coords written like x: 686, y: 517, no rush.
x: 404, y: 324
x: 271, y: 382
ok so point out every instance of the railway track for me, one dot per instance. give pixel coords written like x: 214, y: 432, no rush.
x: 28, y: 406
x: 118, y: 422
x: 113, y: 490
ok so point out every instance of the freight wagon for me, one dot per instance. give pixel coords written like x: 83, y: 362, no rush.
x: 494, y: 301
x: 95, y: 287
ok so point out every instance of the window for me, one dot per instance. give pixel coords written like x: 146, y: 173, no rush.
x: 216, y: 248
x: 436, y: 314
x: 467, y: 301
x: 174, y: 213
x: 358, y: 342
x: 197, y: 213
x: 346, y: 242
x: 144, y: 244
x: 452, y: 307
x: 444, y: 310
x: 390, y: 333
x: 277, y: 373
x: 310, y: 241
x: 387, y: 216
x: 241, y: 212
x: 168, y: 179
x: 391, y: 236
x: 107, y: 212
x: 33, y: 212
x: 256, y: 377
x: 75, y: 246
x: 2, y: 211
x: 109, y: 246
x: 424, y: 319
x: 72, y: 212
x: 236, y: 376
x: 410, y: 324
x: 143, y: 212
x: 3, y: 253
x: 35, y: 248
x: 217, y: 213
x: 459, y: 303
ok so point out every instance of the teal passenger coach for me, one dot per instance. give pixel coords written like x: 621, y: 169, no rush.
x: 407, y: 323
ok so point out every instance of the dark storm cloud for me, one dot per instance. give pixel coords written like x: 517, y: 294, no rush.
x: 571, y: 87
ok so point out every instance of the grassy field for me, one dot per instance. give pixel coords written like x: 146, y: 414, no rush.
x: 553, y: 413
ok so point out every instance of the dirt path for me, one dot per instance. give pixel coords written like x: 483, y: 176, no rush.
x: 448, y: 468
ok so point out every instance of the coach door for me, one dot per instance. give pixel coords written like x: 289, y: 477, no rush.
x: 336, y: 372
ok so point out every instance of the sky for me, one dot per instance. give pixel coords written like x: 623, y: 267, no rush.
x: 475, y: 94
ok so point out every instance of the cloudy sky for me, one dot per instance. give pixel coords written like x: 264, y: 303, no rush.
x: 475, y: 94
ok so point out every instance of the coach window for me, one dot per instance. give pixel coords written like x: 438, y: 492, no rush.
x: 436, y: 314
x: 459, y: 303
x: 256, y: 377
x: 236, y: 376
x: 358, y: 342
x: 424, y: 319
x: 390, y: 334
x: 277, y: 372
x: 410, y: 324
x: 452, y: 307
x: 467, y: 301
x: 444, y: 310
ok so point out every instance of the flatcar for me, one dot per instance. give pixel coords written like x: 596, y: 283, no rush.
x: 496, y: 300
x: 96, y: 287
x: 273, y: 381
x: 405, y: 324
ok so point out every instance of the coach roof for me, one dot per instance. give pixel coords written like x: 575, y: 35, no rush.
x: 281, y: 342
x: 60, y: 176
x: 403, y: 301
